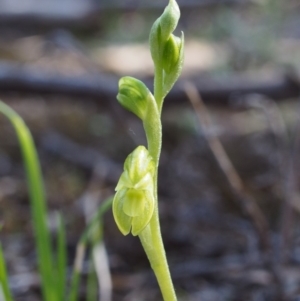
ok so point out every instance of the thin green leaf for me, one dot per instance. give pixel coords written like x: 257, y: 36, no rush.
x: 61, y: 259
x: 38, y: 203
x: 5, y: 290
x: 94, y: 221
x: 92, y: 283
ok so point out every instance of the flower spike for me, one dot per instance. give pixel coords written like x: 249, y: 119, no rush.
x: 135, y: 206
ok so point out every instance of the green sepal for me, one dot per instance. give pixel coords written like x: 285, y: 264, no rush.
x: 133, y: 210
x: 122, y: 220
x: 156, y: 42
x: 134, y: 95
x: 138, y: 163
x: 140, y: 222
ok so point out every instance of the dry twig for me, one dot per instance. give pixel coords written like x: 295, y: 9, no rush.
x: 248, y: 204
x: 286, y: 157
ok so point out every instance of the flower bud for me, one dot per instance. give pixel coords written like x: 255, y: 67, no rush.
x: 134, y: 202
x: 162, y: 29
x: 169, y: 19
x: 172, y: 61
x: 133, y: 95
x: 171, y: 53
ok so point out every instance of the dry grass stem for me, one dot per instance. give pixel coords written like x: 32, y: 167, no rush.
x: 226, y: 167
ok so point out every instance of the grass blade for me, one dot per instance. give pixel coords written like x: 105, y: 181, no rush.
x: 61, y: 258
x: 89, y: 233
x: 5, y: 290
x: 102, y: 270
x: 37, y: 199
x: 92, y: 283
x: 80, y: 251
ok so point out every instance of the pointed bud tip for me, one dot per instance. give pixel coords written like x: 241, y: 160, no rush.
x: 162, y: 29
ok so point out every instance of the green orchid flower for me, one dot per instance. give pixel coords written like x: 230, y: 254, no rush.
x: 134, y: 202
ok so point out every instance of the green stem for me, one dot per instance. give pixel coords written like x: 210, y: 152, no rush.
x: 153, y: 245
x: 151, y: 236
x: 158, y: 87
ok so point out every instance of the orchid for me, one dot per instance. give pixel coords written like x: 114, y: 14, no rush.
x: 135, y: 205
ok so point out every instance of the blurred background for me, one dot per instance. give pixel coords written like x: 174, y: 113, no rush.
x: 229, y: 180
